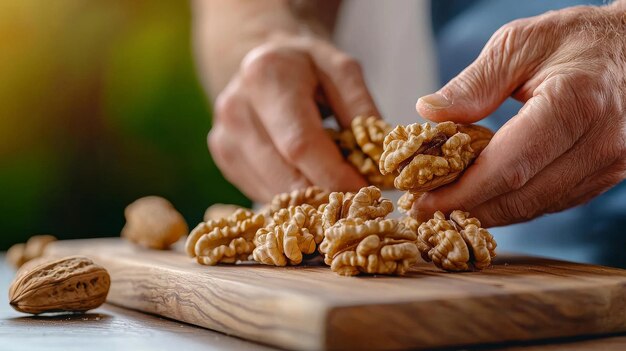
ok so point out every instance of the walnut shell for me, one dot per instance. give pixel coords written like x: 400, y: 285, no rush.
x: 457, y: 243
x: 153, y: 222
x: 313, y: 195
x: 368, y: 203
x: 294, y: 231
x: 226, y: 240
x: 377, y: 246
x: 71, y: 284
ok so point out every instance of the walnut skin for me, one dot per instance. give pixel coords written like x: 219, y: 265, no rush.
x: 71, y: 284
x: 153, y: 222
x: 457, y: 243
x: 294, y: 231
x: 226, y: 240
x: 312, y: 195
x: 424, y: 157
x: 376, y: 246
x: 362, y: 146
x: 368, y: 203
x: 19, y: 254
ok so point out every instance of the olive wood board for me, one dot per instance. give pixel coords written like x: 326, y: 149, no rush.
x: 312, y: 308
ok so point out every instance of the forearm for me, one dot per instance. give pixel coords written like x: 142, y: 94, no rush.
x: 226, y: 30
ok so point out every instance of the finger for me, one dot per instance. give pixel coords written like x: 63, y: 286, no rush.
x: 553, y: 183
x: 259, y: 163
x: 507, y: 60
x: 342, y: 80
x: 281, y: 91
x: 545, y: 128
x: 225, y: 153
x: 592, y: 186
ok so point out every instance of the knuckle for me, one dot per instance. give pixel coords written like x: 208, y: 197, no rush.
x: 229, y: 111
x: 515, y: 207
x: 265, y: 61
x: 220, y: 153
x: 294, y: 146
x: 347, y: 65
x: 515, y: 176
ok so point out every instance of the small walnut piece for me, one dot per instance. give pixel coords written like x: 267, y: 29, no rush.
x: 376, y: 246
x: 313, y: 195
x: 424, y: 157
x: 153, y: 222
x: 219, y: 211
x: 405, y: 202
x: 226, y: 240
x: 368, y: 203
x: 35, y: 246
x: 294, y: 231
x: 71, y: 284
x: 369, y: 133
x: 456, y: 243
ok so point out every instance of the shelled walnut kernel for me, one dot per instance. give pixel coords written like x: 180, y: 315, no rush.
x: 313, y: 195
x: 367, y: 203
x: 456, y: 243
x: 376, y: 246
x: 226, y: 240
x: 153, y: 222
x: 424, y: 157
x: 218, y: 211
x: 293, y: 232
x: 362, y: 146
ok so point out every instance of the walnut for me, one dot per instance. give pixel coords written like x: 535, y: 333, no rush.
x: 19, y: 254
x: 368, y: 203
x: 362, y: 146
x: 376, y: 246
x: 411, y: 223
x: 424, y: 157
x: 479, y: 135
x: 369, y: 133
x: 312, y: 195
x: 219, y: 211
x: 153, y: 222
x: 456, y: 243
x: 293, y: 232
x: 405, y: 202
x: 226, y: 240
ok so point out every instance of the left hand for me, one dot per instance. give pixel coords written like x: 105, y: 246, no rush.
x: 568, y: 142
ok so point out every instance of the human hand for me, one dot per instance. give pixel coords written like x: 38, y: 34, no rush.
x: 568, y: 142
x: 267, y: 134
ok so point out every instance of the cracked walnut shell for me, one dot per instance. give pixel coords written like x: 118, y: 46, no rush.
x: 456, y: 243
x: 377, y: 246
x: 313, y: 195
x: 226, y: 240
x: 294, y: 231
x: 153, y: 222
x: 424, y: 157
x: 367, y: 203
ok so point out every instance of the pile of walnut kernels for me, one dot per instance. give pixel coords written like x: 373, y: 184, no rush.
x: 351, y: 231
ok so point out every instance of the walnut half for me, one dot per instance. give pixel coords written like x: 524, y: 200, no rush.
x: 226, y: 240
x: 294, y: 231
x: 376, y: 246
x: 424, y: 157
x: 456, y: 243
x: 367, y: 203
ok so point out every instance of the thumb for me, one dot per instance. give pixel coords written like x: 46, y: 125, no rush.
x: 480, y: 88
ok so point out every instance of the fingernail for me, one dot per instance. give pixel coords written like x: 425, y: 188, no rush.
x: 435, y: 101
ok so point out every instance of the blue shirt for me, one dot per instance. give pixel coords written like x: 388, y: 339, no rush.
x: 594, y: 232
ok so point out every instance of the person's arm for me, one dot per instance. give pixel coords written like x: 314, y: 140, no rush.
x: 269, y: 64
x: 568, y: 142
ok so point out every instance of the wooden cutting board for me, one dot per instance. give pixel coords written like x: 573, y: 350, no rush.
x: 519, y: 298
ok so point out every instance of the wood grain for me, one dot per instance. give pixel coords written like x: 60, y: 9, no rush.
x: 520, y: 298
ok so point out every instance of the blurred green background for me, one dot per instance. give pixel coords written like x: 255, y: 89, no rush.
x: 99, y: 105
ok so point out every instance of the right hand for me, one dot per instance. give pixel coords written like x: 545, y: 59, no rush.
x: 267, y: 134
